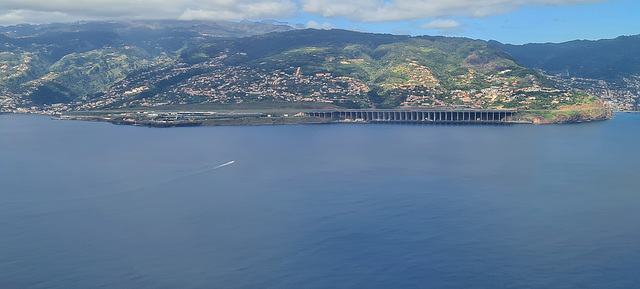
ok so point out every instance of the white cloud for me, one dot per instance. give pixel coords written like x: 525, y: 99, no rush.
x: 338, y: 8
x: 316, y: 25
x: 441, y: 24
x: 398, y: 10
x: 15, y: 11
x: 257, y: 10
x: 95, y: 8
x: 23, y: 16
x: 40, y: 11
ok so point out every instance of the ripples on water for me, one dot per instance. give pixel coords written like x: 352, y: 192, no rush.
x: 94, y: 205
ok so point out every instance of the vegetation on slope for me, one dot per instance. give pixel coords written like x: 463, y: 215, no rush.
x: 64, y: 62
x: 398, y: 70
x: 121, y: 65
x: 608, y: 59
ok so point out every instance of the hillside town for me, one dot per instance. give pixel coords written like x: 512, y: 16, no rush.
x: 623, y: 96
x: 214, y: 82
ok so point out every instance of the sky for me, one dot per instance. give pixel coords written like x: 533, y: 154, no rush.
x: 507, y: 21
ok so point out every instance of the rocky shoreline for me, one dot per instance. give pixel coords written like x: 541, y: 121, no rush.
x: 566, y: 115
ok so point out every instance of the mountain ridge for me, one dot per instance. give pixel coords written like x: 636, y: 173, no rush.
x: 351, y: 69
x: 606, y: 68
x: 609, y: 59
x: 100, y: 65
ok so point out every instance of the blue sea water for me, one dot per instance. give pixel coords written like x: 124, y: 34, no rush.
x: 95, y: 205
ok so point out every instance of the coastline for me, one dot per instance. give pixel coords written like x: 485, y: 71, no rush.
x: 198, y: 118
x: 573, y: 114
x: 188, y: 123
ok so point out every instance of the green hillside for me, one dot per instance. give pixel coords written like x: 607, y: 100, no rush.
x: 607, y: 59
x: 70, y: 62
x: 99, y: 65
x: 396, y: 70
x: 84, y: 74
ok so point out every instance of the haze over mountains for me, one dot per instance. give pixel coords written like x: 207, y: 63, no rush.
x: 609, y: 59
x: 105, y: 65
x: 608, y: 68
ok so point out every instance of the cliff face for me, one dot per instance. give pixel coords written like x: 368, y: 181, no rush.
x: 592, y: 114
x: 566, y: 115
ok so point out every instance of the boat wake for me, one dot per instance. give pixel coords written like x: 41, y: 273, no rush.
x: 202, y: 171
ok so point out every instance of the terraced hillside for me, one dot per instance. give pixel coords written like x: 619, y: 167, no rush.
x: 58, y: 70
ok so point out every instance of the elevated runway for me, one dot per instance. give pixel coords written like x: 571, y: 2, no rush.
x: 416, y: 116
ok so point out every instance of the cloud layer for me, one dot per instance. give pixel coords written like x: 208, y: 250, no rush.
x: 38, y: 11
x: 441, y: 24
x: 18, y: 11
x: 398, y: 10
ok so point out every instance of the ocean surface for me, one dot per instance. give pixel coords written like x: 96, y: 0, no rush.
x: 96, y: 205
